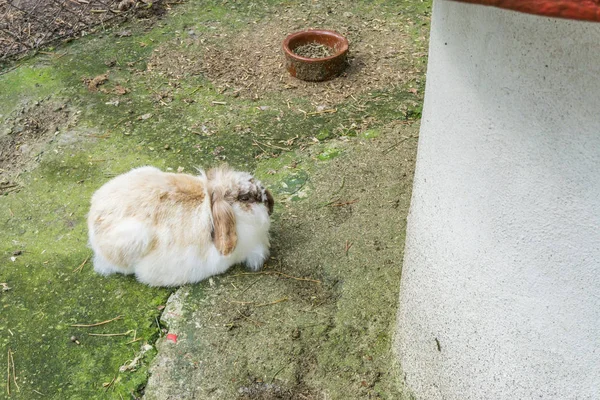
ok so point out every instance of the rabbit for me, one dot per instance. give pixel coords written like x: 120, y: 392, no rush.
x: 170, y: 229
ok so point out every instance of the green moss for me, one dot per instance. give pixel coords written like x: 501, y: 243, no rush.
x: 45, y: 220
x: 370, y: 134
x: 328, y: 154
x: 324, y: 134
x: 24, y: 83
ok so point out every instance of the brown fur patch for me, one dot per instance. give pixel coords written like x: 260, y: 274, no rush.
x: 270, y: 202
x: 186, y: 189
x: 115, y: 255
x: 153, y: 244
x: 225, y: 236
x: 245, y: 206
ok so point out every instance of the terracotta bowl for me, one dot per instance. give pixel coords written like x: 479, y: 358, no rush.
x: 316, y: 69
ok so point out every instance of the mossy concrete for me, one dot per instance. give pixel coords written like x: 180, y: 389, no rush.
x: 174, y: 123
x: 322, y: 329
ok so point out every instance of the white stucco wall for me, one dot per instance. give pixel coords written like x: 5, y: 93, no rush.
x: 502, y: 260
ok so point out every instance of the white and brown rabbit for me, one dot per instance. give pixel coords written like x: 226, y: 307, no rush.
x: 170, y: 229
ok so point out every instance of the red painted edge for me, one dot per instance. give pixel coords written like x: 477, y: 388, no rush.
x: 586, y: 10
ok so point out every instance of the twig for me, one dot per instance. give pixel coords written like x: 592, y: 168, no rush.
x: 348, y: 246
x: 250, y: 285
x: 97, y: 323
x: 270, y: 145
x: 6, y: 71
x: 335, y: 193
x: 9, y: 33
x: 257, y: 305
x: 109, y: 384
x: 277, y: 373
x: 111, y: 334
x: 256, y: 144
x: 135, y: 336
x: 398, y: 143
x: 273, y: 302
x: 240, y: 302
x: 155, y: 91
x: 345, y: 203
x: 219, y: 103
x: 158, y: 326
x: 119, y: 122
x: 14, y: 189
x: 341, y: 186
x: 293, y: 277
x: 10, y: 189
x: 329, y: 111
x: 10, y: 362
x: 8, y: 372
x: 277, y: 273
x: 194, y: 91
x: 78, y: 269
x: 257, y: 323
x: 14, y: 375
x: 290, y: 142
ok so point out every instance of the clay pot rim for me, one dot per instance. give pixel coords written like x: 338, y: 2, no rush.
x: 311, y: 32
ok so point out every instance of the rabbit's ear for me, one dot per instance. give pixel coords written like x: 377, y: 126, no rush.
x: 224, y: 233
x: 270, y: 202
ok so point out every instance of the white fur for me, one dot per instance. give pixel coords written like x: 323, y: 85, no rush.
x: 169, y: 266
x: 167, y: 254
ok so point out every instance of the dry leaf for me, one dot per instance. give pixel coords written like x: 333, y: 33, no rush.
x: 97, y: 81
x: 120, y: 90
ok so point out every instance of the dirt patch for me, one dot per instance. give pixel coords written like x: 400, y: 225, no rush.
x: 259, y: 390
x: 251, y: 63
x: 92, y: 84
x: 25, y: 136
x: 29, y: 24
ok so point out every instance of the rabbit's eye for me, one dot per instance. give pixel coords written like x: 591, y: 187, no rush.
x: 244, y: 197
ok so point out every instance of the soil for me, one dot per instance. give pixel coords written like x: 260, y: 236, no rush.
x: 29, y: 24
x: 251, y: 63
x: 268, y: 391
x: 340, y: 251
x: 25, y: 135
x: 313, y: 50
